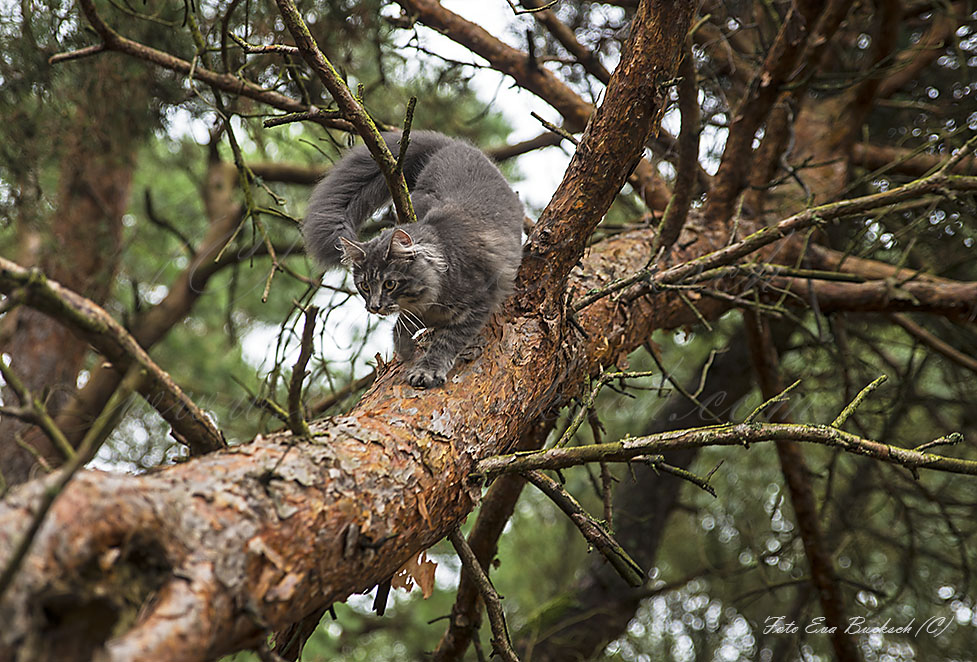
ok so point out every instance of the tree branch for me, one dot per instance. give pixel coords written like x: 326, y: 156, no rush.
x: 724, y: 435
x: 113, y: 41
x: 352, y: 109
x: 92, y: 323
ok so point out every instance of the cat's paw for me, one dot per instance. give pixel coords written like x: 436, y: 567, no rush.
x: 424, y: 378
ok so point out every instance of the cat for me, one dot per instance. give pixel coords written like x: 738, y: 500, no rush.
x: 449, y: 271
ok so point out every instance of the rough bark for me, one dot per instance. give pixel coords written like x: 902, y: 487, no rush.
x: 253, y: 538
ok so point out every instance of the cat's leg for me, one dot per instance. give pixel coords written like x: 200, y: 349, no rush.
x: 446, y: 344
x: 404, y: 343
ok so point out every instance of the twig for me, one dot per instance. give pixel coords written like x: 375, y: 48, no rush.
x: 595, y: 533
x: 658, y: 464
x: 560, y: 131
x: 493, y: 605
x: 33, y: 411
x: 588, y: 404
x: 850, y: 409
x: 405, y: 135
x: 951, y: 439
x: 314, y: 115
x: 780, y: 397
x: 529, y: 10
x: 679, y: 387
x: 263, y: 48
x: 87, y: 51
x: 296, y: 419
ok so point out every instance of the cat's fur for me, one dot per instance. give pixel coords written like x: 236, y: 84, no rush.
x: 447, y: 272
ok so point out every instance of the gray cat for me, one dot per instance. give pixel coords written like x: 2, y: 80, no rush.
x: 447, y: 272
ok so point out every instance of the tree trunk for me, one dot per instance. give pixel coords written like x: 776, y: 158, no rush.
x: 77, y: 246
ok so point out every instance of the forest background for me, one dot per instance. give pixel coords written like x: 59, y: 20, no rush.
x: 772, y: 197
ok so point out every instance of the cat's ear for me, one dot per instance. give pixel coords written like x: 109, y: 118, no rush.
x: 353, y: 253
x: 401, y: 245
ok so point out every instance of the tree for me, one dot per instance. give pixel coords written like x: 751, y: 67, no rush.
x: 814, y: 210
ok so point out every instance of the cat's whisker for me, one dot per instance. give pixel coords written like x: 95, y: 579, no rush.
x: 414, y: 320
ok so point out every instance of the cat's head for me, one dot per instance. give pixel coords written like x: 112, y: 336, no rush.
x: 391, y: 271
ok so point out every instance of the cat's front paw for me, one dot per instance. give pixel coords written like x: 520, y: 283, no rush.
x: 424, y: 378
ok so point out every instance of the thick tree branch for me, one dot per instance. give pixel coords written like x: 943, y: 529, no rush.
x: 956, y: 301
x: 608, y: 150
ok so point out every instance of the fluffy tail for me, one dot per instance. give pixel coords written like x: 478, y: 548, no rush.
x: 355, y: 188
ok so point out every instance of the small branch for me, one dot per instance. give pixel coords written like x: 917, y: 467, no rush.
x: 529, y: 10
x: 588, y: 404
x: 780, y: 397
x: 592, y: 530
x: 951, y: 439
x: 506, y: 152
x: 740, y: 434
x: 853, y: 405
x: 313, y: 115
x: 493, y: 605
x: 405, y: 135
x: 559, y: 131
x: 33, y: 411
x: 249, y: 48
x: 296, y: 418
x: 935, y: 343
x: 658, y: 464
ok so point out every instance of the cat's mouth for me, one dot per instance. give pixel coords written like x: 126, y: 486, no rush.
x: 383, y: 311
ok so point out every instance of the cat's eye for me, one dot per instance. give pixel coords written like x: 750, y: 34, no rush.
x: 365, y: 287
x: 389, y: 284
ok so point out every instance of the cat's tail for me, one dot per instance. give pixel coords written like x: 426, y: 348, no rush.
x: 355, y: 188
